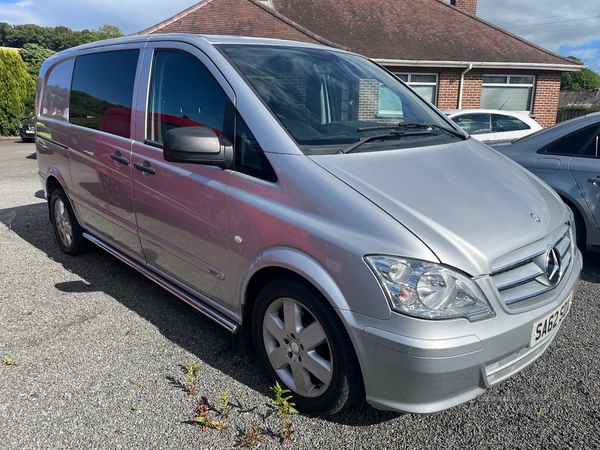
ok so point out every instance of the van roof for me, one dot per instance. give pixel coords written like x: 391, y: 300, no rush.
x: 212, y: 39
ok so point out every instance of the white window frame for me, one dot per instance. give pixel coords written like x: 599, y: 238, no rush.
x: 412, y: 83
x: 508, y: 84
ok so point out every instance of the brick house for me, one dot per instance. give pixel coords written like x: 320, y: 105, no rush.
x: 443, y: 50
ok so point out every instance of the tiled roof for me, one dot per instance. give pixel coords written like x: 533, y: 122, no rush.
x: 239, y: 18
x: 580, y: 98
x: 413, y: 30
x: 391, y: 30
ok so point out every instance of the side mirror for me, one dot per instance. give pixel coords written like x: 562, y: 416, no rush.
x: 197, y: 145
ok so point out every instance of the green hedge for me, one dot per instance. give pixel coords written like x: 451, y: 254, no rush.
x: 16, y: 89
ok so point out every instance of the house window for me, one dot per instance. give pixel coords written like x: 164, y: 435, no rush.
x: 508, y: 92
x: 390, y: 104
x: 424, y: 83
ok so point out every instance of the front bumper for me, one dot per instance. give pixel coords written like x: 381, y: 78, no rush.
x: 422, y: 366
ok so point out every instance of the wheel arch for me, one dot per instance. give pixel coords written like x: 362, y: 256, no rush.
x: 283, y: 261
x: 580, y: 218
x: 52, y: 183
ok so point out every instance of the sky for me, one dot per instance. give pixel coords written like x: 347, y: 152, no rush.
x: 565, y: 27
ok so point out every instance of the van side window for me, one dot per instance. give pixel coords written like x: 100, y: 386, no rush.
x: 183, y: 93
x: 55, y: 99
x: 102, y: 91
x: 249, y: 157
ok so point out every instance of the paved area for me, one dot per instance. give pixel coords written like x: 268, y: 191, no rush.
x: 99, y: 354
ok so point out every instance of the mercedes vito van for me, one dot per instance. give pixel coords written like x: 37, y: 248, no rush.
x: 308, y: 197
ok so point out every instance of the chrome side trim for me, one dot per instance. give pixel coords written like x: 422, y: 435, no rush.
x: 220, y: 319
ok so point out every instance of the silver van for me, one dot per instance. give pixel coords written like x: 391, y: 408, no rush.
x: 307, y: 197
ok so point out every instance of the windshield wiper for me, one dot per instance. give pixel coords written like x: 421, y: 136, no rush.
x: 406, y: 125
x: 375, y: 137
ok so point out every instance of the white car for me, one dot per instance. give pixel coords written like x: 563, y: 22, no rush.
x: 489, y: 125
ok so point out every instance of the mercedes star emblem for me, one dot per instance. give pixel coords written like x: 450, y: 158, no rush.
x: 553, y: 266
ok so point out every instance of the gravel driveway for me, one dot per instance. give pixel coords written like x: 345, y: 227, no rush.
x: 93, y: 356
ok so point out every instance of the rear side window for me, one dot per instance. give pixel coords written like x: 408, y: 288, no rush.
x: 474, y: 123
x: 501, y: 123
x: 573, y: 144
x: 55, y: 99
x: 183, y: 93
x: 102, y: 91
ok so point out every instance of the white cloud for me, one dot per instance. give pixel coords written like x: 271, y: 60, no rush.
x: 551, y: 24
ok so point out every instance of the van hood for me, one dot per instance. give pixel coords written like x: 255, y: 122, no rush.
x: 466, y: 202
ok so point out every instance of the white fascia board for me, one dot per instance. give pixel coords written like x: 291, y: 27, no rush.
x: 481, y: 64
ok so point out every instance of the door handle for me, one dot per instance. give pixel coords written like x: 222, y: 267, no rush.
x: 145, y: 167
x: 596, y: 180
x: 119, y: 158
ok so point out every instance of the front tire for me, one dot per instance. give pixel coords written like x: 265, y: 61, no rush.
x: 69, y: 233
x: 302, y: 344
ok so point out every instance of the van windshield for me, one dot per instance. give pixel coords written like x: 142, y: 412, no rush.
x: 331, y: 98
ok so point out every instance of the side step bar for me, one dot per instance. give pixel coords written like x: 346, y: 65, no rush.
x: 217, y: 317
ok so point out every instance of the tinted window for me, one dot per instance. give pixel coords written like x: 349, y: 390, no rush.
x: 249, y: 156
x: 572, y: 144
x: 501, y: 123
x: 55, y: 99
x: 591, y: 148
x: 183, y: 93
x: 474, y: 123
x: 102, y: 91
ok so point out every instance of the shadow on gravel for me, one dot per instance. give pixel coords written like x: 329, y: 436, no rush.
x: 175, y: 320
x: 591, y: 267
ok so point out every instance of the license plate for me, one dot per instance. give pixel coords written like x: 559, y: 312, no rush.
x: 543, y: 328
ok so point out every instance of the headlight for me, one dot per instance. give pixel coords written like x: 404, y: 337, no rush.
x: 428, y: 290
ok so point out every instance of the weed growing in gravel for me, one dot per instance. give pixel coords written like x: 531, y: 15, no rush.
x: 284, y: 409
x: 541, y: 416
x: 203, y: 419
x: 252, y: 438
x: 192, y: 369
x: 225, y: 407
x: 8, y: 361
x: 286, y: 432
x: 284, y: 406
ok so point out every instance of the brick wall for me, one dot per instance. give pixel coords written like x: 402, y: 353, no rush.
x: 469, y: 6
x: 545, y: 100
x: 368, y: 99
x: 546, y: 90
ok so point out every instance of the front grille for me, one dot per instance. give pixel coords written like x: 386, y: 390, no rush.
x: 526, y: 277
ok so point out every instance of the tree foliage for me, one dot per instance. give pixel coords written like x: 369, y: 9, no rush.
x: 19, y: 71
x: 578, y: 81
x: 16, y: 88
x: 33, y: 56
x: 53, y: 38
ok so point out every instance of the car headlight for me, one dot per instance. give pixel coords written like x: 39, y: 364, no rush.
x: 428, y: 290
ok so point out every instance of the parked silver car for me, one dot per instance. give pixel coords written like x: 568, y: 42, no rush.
x: 566, y: 156
x: 367, y: 255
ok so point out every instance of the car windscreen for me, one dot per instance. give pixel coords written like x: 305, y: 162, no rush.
x: 331, y: 98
